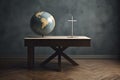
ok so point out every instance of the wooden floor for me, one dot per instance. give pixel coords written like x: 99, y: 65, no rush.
x: 87, y: 70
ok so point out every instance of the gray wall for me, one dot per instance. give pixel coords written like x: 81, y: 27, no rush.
x: 98, y: 19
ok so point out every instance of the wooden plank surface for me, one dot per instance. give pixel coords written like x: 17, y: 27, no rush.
x: 89, y: 69
x: 57, y: 37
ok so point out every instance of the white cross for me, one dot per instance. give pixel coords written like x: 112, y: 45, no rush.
x: 72, y: 20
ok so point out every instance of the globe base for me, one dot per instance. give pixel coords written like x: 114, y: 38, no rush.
x: 42, y: 35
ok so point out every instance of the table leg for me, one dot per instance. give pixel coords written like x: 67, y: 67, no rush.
x: 59, y: 52
x: 49, y: 58
x: 69, y: 59
x: 59, y: 60
x: 30, y: 57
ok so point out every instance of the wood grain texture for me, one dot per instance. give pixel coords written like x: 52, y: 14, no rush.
x: 87, y: 70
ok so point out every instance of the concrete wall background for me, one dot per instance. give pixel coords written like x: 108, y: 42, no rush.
x: 98, y: 19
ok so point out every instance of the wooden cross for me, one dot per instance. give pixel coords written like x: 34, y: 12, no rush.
x: 72, y: 21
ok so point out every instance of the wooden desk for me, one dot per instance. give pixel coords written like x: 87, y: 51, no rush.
x: 58, y: 43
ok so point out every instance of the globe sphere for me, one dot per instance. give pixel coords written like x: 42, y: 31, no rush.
x: 42, y: 23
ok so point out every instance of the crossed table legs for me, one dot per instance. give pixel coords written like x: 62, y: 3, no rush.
x: 59, y: 52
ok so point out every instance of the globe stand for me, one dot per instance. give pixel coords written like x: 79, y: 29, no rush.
x: 42, y: 35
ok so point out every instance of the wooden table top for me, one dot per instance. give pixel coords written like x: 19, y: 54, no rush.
x: 57, y: 37
x: 57, y: 40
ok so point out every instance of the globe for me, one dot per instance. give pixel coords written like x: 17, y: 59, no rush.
x: 42, y: 23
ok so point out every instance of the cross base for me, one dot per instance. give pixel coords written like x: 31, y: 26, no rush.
x: 59, y: 52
